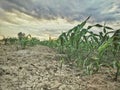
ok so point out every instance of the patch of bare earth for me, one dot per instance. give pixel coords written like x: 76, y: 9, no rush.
x: 38, y: 68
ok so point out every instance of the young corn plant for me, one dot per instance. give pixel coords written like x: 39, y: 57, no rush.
x: 23, y: 42
x: 33, y: 41
x: 86, y: 49
x: 13, y: 40
x: 71, y: 39
x: 76, y: 44
x: 10, y: 40
x: 114, y: 43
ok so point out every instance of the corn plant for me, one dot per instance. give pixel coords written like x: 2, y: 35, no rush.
x: 33, y: 41
x: 116, y: 50
x: 9, y: 40
x: 114, y: 43
x: 73, y: 37
x: 23, y: 42
x: 74, y: 41
x: 86, y: 49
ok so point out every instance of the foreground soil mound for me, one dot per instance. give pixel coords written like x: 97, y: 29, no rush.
x: 39, y: 68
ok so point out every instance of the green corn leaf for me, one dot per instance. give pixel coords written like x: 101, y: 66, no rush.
x: 89, y: 27
x: 83, y: 23
x: 103, y: 47
x: 84, y: 31
x: 116, y: 33
x: 78, y: 27
x: 104, y: 30
x: 96, y: 39
x: 108, y: 28
x: 85, y: 38
x: 101, y: 34
x: 63, y: 38
x: 98, y: 25
x: 71, y: 31
x: 72, y: 38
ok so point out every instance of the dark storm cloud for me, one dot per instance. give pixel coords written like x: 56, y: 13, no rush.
x: 100, y: 10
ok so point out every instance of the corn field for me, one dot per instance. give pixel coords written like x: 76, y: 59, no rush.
x: 84, y: 49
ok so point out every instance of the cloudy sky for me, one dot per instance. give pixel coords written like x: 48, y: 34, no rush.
x: 50, y: 17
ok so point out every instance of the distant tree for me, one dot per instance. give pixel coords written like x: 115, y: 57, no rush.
x: 21, y: 35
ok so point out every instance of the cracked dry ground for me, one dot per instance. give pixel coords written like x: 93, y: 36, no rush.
x: 38, y: 68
